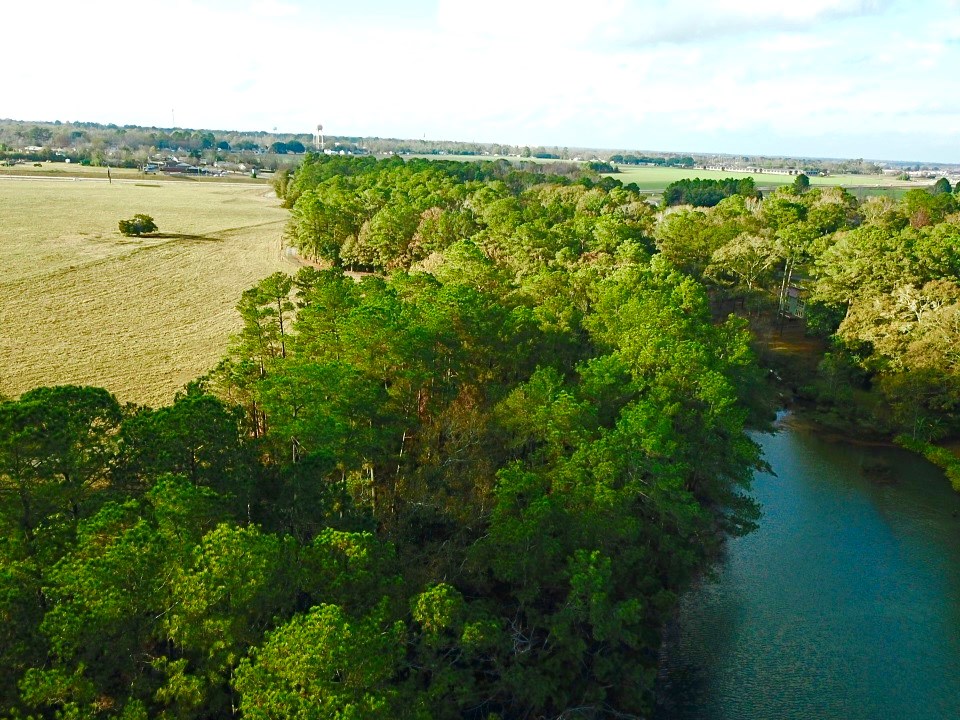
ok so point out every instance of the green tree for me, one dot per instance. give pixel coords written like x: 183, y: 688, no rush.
x: 223, y: 600
x: 56, y: 445
x: 923, y: 208
x: 322, y: 221
x: 275, y: 294
x: 689, y: 238
x: 941, y: 186
x: 103, y: 601
x: 265, y: 310
x: 326, y: 664
x: 139, y: 224
x: 389, y: 233
x: 862, y: 264
x: 748, y: 259
x: 197, y: 437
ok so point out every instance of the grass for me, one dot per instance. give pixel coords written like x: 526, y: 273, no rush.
x: 61, y: 170
x: 80, y: 303
x: 655, y: 179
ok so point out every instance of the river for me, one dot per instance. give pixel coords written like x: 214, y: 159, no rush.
x: 844, y: 605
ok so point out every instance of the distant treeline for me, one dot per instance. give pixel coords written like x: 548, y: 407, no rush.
x: 113, y: 144
x: 629, y: 159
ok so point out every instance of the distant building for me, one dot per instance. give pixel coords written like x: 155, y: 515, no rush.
x: 180, y: 168
x: 794, y: 303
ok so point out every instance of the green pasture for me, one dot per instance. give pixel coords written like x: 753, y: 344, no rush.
x: 80, y: 303
x: 655, y: 179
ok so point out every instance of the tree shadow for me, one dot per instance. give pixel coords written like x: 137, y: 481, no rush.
x: 181, y: 236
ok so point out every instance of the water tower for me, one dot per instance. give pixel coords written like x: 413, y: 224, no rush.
x: 318, y: 138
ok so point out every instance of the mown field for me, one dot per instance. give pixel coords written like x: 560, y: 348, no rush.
x: 80, y: 303
x: 655, y: 179
x: 74, y: 170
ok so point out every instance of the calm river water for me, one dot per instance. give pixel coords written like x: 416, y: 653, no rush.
x: 844, y: 605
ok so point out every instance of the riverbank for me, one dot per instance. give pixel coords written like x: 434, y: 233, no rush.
x: 796, y: 419
x: 795, y: 360
x: 843, y: 605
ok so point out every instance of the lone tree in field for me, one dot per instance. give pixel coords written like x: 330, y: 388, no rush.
x: 138, y: 225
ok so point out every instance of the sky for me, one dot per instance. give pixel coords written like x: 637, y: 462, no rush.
x: 872, y: 79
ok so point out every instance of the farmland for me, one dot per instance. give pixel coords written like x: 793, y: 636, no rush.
x: 655, y: 179
x: 60, y: 170
x: 79, y: 303
x: 652, y: 180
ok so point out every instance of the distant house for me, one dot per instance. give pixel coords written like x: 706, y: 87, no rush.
x: 180, y: 168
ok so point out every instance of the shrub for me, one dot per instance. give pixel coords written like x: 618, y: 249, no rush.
x: 138, y: 225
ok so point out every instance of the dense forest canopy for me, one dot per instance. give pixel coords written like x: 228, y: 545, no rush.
x: 469, y: 482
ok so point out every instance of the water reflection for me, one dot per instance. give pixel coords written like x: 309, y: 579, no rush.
x: 844, y: 604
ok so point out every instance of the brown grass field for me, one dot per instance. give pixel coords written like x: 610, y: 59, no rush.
x: 81, y: 304
x: 74, y: 170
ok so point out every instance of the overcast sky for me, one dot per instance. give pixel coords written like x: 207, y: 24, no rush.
x: 876, y: 79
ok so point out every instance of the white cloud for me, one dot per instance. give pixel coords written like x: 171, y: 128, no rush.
x: 604, y: 73
x: 620, y: 22
x: 273, y: 9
